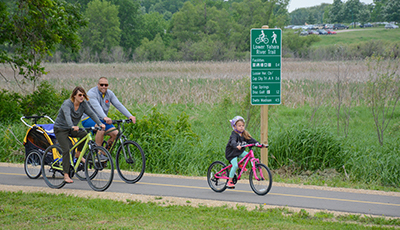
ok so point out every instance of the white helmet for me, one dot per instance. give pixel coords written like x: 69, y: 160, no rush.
x: 236, y: 119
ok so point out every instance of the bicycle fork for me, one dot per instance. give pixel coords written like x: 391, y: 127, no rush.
x: 254, y: 162
x: 127, y: 153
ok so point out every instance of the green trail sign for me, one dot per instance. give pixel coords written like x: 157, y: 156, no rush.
x: 266, y: 59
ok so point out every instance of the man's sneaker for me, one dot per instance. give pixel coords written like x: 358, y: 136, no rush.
x: 230, y: 185
x: 103, y: 158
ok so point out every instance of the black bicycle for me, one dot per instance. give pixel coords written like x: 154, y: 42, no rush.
x: 130, y: 159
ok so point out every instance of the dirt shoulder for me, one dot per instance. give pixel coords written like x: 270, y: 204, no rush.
x: 165, y: 200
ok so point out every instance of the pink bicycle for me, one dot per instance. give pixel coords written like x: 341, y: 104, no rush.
x: 260, y: 177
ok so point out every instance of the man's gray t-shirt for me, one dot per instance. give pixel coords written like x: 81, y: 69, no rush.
x: 101, y: 105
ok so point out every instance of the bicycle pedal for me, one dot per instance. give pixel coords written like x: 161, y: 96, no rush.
x: 81, y: 167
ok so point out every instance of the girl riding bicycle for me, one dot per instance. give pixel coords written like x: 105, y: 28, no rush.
x: 233, y: 150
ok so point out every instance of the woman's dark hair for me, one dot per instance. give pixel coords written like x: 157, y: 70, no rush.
x: 75, y: 92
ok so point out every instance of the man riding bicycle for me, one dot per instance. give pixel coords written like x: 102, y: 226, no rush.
x: 100, y: 101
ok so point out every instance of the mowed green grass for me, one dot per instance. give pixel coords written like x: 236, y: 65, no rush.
x: 359, y: 35
x: 47, y: 211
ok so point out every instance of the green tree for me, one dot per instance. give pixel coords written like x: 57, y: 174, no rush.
x: 82, y: 3
x: 299, y: 16
x: 131, y: 22
x: 251, y: 14
x: 151, y: 50
x: 153, y: 24
x: 187, y: 24
x: 32, y: 29
x: 162, y: 6
x: 310, y: 19
x: 351, y: 9
x: 376, y: 14
x: 280, y: 15
x: 363, y: 16
x: 302, y: 14
x: 391, y: 11
x: 103, y: 31
x: 336, y: 13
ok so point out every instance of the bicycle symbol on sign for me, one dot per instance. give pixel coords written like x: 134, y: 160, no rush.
x: 262, y: 38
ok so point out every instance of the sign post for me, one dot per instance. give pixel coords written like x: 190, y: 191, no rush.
x: 265, y: 87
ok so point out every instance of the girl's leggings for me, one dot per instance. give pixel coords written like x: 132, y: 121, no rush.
x: 235, y: 165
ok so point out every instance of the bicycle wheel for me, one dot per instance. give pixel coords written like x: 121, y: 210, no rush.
x: 54, y: 177
x: 130, y: 162
x: 32, y: 164
x: 263, y: 184
x: 216, y: 184
x: 99, y: 173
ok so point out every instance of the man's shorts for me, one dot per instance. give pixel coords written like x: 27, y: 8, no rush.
x: 90, y: 123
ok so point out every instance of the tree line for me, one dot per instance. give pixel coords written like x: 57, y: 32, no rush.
x: 136, y: 30
x: 348, y: 11
x: 132, y: 30
x: 33, y: 31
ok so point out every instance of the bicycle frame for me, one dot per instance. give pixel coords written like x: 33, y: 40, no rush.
x: 85, y: 139
x: 249, y: 157
x: 120, y: 137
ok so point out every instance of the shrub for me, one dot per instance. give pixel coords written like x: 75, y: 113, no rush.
x: 44, y: 101
x: 297, y: 44
x: 376, y: 164
x: 305, y: 148
x: 160, y: 136
x: 10, y: 108
x: 11, y: 149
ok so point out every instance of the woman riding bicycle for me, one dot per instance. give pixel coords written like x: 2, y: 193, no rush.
x: 66, y: 124
x: 233, y: 150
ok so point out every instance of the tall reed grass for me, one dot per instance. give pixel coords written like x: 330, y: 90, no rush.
x: 306, y: 132
x: 191, y: 82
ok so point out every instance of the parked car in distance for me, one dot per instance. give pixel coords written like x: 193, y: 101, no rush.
x: 322, y: 32
x: 368, y: 25
x: 304, y: 33
x: 330, y: 32
x: 391, y: 26
x: 355, y: 24
x: 298, y: 27
x: 312, y: 32
x: 339, y: 27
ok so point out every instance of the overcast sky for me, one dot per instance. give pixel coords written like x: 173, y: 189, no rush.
x: 296, y: 4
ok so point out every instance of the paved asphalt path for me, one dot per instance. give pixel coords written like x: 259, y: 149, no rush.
x: 361, y: 203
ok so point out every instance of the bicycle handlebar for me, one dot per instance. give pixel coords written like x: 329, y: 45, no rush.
x: 90, y: 128
x: 121, y: 121
x: 256, y: 145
